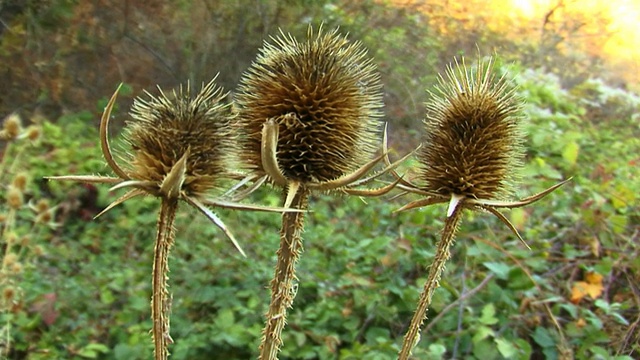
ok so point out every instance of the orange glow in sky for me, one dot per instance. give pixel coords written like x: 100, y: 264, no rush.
x: 622, y: 46
x: 609, y: 29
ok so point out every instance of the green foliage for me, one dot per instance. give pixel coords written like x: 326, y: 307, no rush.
x: 87, y: 294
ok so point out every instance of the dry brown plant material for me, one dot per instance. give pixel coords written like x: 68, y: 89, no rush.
x: 309, y: 113
x: 470, y: 158
x: 182, y: 147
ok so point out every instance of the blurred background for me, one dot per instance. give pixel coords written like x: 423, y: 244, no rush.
x: 77, y: 288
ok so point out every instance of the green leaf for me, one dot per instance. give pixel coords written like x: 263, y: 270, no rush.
x: 437, y: 351
x: 500, y: 269
x: 485, y: 350
x: 106, y: 296
x: 506, y: 348
x: 92, y: 350
x: 481, y: 333
x: 225, y: 319
x: 618, y: 223
x: 570, y: 153
x: 488, y: 315
x: 543, y: 338
x: 519, y: 280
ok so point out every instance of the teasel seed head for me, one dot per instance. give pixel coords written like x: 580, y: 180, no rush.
x: 8, y: 294
x: 324, y: 94
x: 473, y: 144
x: 33, y: 133
x: 469, y: 159
x: 20, y: 181
x: 11, y: 127
x: 15, y: 197
x: 166, y: 127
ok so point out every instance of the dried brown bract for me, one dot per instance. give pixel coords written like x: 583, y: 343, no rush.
x: 470, y: 157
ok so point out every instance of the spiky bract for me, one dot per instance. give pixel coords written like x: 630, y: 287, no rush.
x: 325, y: 95
x: 473, y: 144
x: 165, y: 127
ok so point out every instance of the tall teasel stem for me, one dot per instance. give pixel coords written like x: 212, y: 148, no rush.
x: 161, y: 300
x: 283, y: 283
x: 442, y: 255
x: 472, y: 150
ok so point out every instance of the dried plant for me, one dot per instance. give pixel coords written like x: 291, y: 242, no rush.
x: 310, y: 115
x: 19, y: 230
x: 470, y: 157
x: 182, y: 147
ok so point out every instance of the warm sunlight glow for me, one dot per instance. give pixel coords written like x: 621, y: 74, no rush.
x: 609, y: 29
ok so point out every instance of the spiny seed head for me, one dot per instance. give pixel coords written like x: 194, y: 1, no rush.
x: 16, y: 268
x: 8, y: 293
x: 473, y: 145
x: 12, y: 127
x: 20, y: 181
x: 42, y: 206
x: 38, y: 250
x: 15, y: 198
x: 44, y: 217
x: 11, y: 238
x: 165, y: 127
x: 33, y: 132
x: 25, y: 240
x: 325, y: 95
x: 10, y: 259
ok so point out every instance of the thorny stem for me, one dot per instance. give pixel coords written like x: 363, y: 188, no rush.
x: 282, y: 284
x: 160, y: 300
x: 412, y: 336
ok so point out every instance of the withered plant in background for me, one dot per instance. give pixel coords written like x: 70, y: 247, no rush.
x: 182, y: 147
x: 309, y: 115
x: 19, y: 229
x: 469, y: 159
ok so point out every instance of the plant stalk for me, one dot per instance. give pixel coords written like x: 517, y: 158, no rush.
x: 282, y: 284
x: 412, y: 336
x: 160, y: 300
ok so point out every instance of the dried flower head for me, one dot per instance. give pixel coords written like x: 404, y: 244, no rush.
x: 25, y: 240
x: 310, y: 111
x: 165, y: 128
x: 12, y: 127
x: 471, y: 153
x: 180, y: 149
x: 473, y: 143
x: 10, y: 258
x: 15, y: 197
x: 20, y: 181
x: 33, y: 132
x: 309, y: 115
x: 41, y: 206
x: 8, y: 294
